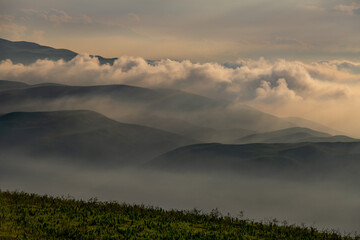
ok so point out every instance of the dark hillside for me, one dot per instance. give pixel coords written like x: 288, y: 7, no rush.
x: 31, y: 216
x: 84, y: 136
x: 270, y: 159
x: 293, y: 135
x: 29, y: 52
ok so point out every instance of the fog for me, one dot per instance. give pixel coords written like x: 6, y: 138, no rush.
x: 324, y: 91
x: 204, y: 79
x: 327, y: 92
x: 177, y: 112
x: 325, y: 204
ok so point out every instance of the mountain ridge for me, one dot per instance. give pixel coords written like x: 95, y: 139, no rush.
x: 292, y: 135
x: 276, y: 159
x: 168, y: 109
x: 83, y: 135
x: 29, y: 52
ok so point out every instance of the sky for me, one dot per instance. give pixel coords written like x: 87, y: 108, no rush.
x: 288, y: 58
x: 198, y: 30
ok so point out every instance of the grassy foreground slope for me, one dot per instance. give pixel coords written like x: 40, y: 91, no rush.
x: 29, y: 216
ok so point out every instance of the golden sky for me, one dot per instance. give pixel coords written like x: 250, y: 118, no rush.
x: 199, y: 30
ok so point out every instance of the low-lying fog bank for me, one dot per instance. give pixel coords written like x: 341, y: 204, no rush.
x: 322, y: 203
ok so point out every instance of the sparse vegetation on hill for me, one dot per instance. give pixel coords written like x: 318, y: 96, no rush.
x: 30, y: 216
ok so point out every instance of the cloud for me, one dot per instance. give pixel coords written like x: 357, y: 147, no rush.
x: 343, y: 65
x: 335, y: 71
x: 325, y: 91
x: 296, y: 75
x: 312, y: 8
x: 281, y: 92
x: 353, y: 9
x: 57, y: 16
x: 245, y: 81
x: 9, y: 28
x: 134, y: 17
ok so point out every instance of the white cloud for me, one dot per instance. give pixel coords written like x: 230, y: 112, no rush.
x: 261, y: 79
x: 327, y: 91
x: 281, y: 92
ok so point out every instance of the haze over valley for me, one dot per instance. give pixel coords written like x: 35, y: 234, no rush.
x: 267, y: 127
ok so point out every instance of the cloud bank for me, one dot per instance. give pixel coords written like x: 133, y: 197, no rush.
x: 245, y: 80
x: 278, y: 86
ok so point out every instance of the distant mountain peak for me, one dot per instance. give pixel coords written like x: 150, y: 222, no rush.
x: 29, y: 52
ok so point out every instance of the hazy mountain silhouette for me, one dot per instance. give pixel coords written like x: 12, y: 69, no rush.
x: 84, y: 136
x: 29, y: 52
x: 301, y: 122
x: 203, y: 134
x: 199, y: 117
x: 57, y: 91
x: 268, y: 159
x: 293, y: 135
x: 176, y: 111
x: 8, y: 85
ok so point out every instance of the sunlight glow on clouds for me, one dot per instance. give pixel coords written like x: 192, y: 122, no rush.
x: 293, y: 37
x: 246, y: 80
x: 282, y: 87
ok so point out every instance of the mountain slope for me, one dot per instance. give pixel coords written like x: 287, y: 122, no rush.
x: 182, y: 127
x: 152, y: 103
x: 45, y: 92
x: 204, y: 118
x: 160, y: 99
x: 292, y: 135
x: 301, y: 122
x: 83, y: 136
x: 29, y: 52
x: 269, y: 159
x: 8, y: 85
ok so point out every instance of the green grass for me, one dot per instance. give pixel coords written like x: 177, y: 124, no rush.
x: 30, y: 216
